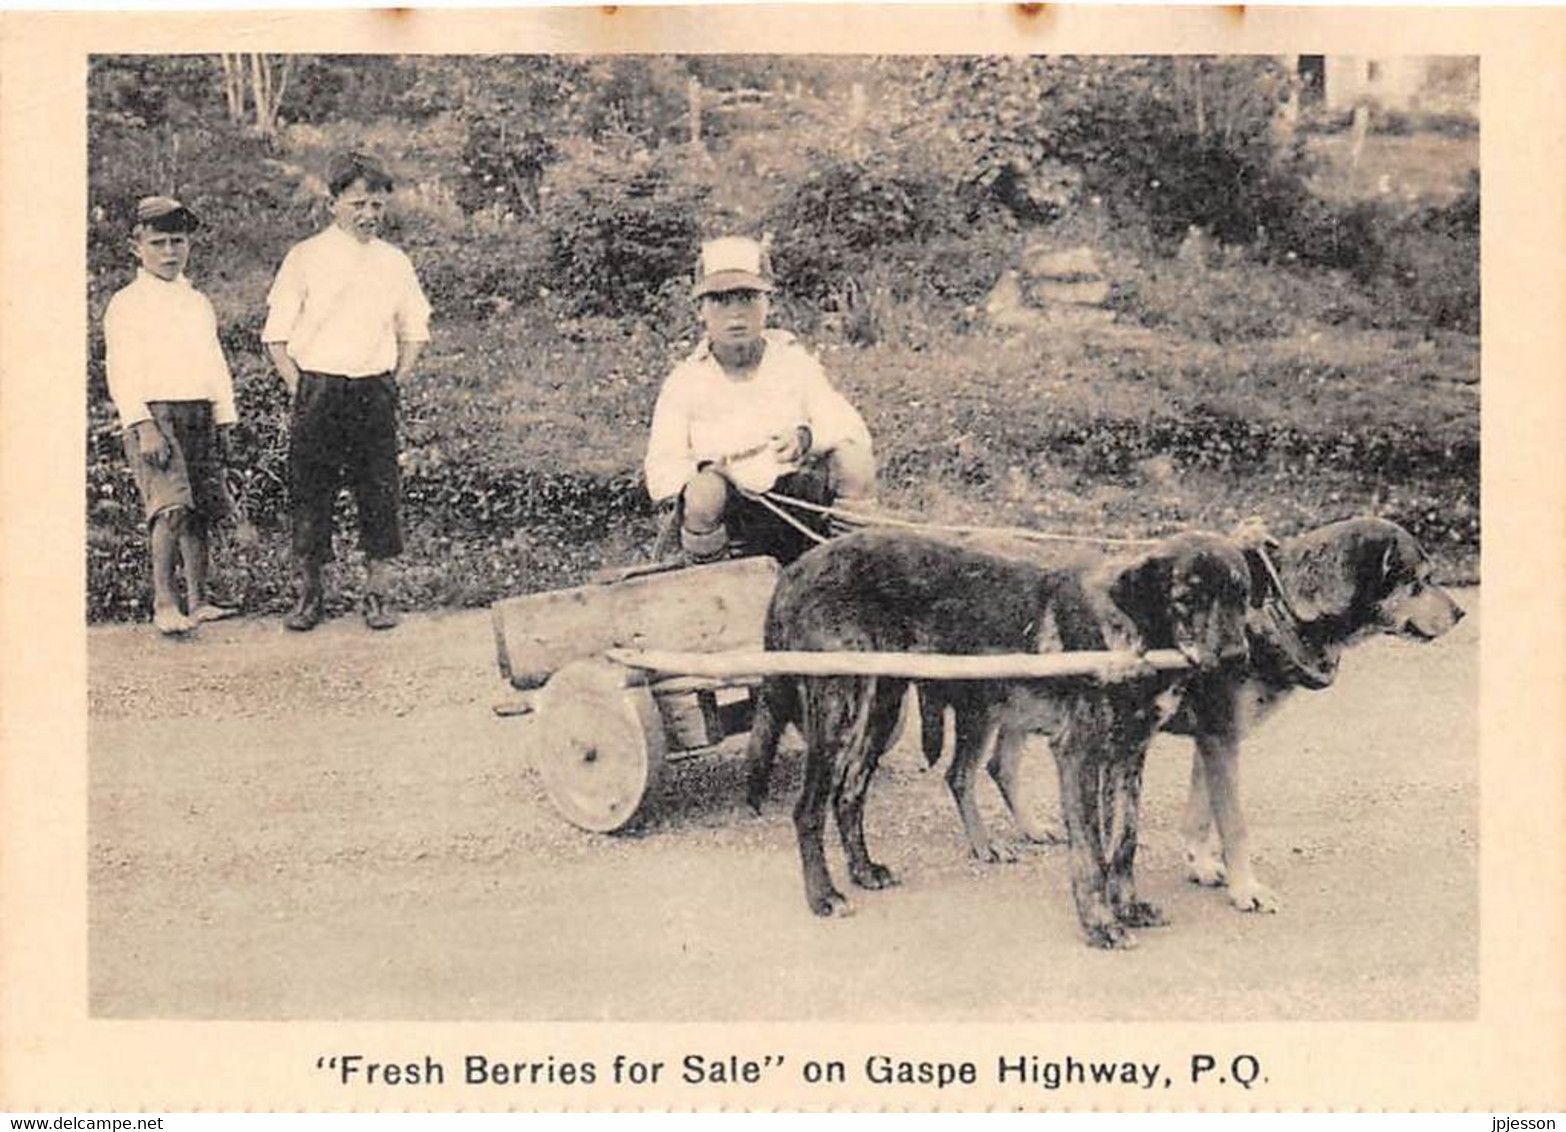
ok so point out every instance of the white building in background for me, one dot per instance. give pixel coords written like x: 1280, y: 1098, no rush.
x: 1431, y: 84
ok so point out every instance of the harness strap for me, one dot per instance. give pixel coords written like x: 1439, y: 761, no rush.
x: 1277, y: 583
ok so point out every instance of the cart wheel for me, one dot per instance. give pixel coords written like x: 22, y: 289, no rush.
x: 599, y: 745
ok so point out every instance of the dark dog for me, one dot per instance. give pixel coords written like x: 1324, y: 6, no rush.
x: 1345, y: 580
x: 892, y: 592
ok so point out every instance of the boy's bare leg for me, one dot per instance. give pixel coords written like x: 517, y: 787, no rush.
x: 851, y: 472
x: 166, y: 538
x: 377, y: 581
x: 194, y: 552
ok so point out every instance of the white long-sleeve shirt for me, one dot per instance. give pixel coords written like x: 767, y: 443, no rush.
x: 161, y: 344
x: 702, y: 413
x: 342, y: 306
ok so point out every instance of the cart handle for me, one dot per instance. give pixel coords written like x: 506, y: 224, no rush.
x: 906, y: 665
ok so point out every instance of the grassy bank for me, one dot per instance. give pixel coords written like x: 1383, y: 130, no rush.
x: 523, y: 442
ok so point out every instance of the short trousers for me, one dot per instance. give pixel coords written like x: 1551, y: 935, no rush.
x: 755, y: 529
x: 193, y: 478
x: 344, y: 431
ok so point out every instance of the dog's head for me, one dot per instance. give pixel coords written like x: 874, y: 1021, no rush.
x: 1369, y: 573
x: 1190, y: 593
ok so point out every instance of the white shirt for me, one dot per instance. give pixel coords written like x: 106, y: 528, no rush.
x: 342, y: 306
x: 704, y: 414
x: 162, y: 345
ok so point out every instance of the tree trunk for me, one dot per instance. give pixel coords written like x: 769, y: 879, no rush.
x: 259, y: 81
x: 1201, y: 105
x: 234, y: 87
x: 1358, y: 133
x: 284, y: 74
x: 265, y: 84
x: 693, y: 112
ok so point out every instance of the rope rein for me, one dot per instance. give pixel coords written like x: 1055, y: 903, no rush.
x: 775, y: 502
x: 770, y: 501
x: 778, y: 504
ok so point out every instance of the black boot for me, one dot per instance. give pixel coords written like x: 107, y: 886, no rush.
x: 308, y: 610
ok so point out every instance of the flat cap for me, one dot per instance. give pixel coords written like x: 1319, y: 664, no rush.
x: 166, y: 214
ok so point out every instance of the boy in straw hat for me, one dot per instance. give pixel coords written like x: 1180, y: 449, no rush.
x: 174, y: 394
x: 750, y: 410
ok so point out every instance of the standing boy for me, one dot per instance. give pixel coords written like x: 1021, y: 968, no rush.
x: 749, y: 410
x: 346, y: 322
x: 175, y: 397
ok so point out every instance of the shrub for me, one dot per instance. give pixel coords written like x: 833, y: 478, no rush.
x: 621, y: 222
x: 848, y: 212
x: 503, y: 168
x: 1167, y: 142
x: 1432, y: 264
x: 483, y: 270
x: 1221, y: 304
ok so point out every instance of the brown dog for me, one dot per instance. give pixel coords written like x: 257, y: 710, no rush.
x: 1345, y: 580
x: 894, y: 592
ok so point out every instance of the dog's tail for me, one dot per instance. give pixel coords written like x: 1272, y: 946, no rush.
x: 777, y: 705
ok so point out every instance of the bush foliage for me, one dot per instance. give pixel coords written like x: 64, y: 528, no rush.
x: 621, y: 225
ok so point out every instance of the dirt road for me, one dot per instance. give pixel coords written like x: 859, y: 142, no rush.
x: 337, y: 826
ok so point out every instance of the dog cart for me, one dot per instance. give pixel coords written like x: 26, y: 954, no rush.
x: 603, y: 730
x: 660, y: 663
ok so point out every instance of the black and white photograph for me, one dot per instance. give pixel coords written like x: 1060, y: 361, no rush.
x: 598, y: 539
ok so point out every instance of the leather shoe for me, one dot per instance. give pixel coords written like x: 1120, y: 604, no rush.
x: 377, y: 615
x: 306, y: 615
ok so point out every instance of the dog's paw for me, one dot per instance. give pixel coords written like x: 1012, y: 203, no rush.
x: 875, y: 876
x: 1042, y: 833
x: 996, y: 853
x: 1204, y: 870
x: 1141, y: 914
x: 1253, y: 897
x: 830, y: 903
x: 1110, y: 937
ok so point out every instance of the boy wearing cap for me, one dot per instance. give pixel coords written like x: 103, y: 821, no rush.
x: 174, y: 394
x: 750, y: 410
x: 346, y: 322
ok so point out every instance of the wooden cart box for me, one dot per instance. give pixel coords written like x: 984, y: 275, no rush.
x: 603, y: 731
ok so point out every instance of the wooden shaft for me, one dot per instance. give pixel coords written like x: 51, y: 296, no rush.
x: 675, y: 685
x: 908, y: 665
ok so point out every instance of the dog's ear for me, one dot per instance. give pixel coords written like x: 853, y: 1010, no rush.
x: 1141, y: 591
x: 1399, y: 561
x: 1346, y: 574
x: 1325, y: 577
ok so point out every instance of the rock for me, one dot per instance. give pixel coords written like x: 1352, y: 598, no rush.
x: 1007, y: 307
x: 1076, y: 264
x: 1005, y: 296
x: 1079, y: 318
x: 1092, y: 293
x: 1051, y: 287
x: 1197, y: 249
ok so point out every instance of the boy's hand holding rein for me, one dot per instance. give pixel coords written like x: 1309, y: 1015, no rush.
x: 791, y: 447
